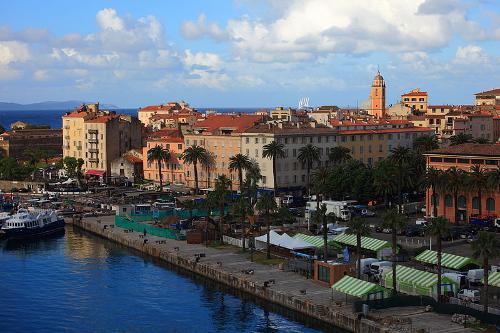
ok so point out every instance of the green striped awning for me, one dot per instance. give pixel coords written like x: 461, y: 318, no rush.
x: 367, y: 243
x: 447, y: 260
x: 414, y: 277
x: 313, y: 240
x: 493, y: 279
x: 355, y: 287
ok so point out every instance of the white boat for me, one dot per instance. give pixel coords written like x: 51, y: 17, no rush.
x: 32, y: 222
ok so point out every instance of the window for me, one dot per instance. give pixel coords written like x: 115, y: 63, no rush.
x: 449, y: 160
x: 294, y: 139
x: 463, y: 160
x: 381, y: 148
x: 319, y: 139
x: 370, y: 161
x: 256, y: 153
x: 477, y: 161
x: 247, y: 140
x: 462, y: 202
x: 324, y: 273
x: 256, y: 140
x: 490, y: 205
x: 435, y: 200
x: 303, y: 178
x: 436, y: 159
x: 491, y: 162
x: 264, y: 179
x: 448, y: 201
x: 294, y: 152
x: 475, y: 203
x: 264, y: 140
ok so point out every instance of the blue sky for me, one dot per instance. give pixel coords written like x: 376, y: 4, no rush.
x: 246, y: 53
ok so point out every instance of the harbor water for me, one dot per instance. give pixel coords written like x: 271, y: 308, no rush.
x: 77, y: 282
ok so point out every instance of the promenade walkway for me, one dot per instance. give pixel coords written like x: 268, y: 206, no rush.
x: 288, y: 283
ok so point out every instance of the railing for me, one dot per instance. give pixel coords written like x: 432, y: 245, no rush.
x: 232, y: 241
x: 93, y: 140
x: 92, y: 131
x: 475, y: 306
x: 92, y: 160
x: 93, y: 150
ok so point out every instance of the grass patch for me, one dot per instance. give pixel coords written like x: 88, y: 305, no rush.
x: 226, y: 247
x: 261, y: 258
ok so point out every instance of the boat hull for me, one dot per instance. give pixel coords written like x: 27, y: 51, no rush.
x: 21, y: 233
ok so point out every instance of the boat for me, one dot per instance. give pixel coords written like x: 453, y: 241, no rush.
x: 4, y: 217
x: 32, y: 222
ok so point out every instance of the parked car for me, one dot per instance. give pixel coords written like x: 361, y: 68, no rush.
x: 367, y: 213
x: 421, y: 221
x: 414, y: 231
x: 24, y: 190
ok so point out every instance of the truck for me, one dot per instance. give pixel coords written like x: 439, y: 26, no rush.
x: 341, y: 209
x: 482, y: 221
x: 365, y: 264
x: 475, y: 276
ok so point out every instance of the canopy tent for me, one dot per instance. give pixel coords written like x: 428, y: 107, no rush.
x: 284, y: 241
x: 381, y: 247
x: 99, y: 173
x: 416, y: 282
x: 493, y: 279
x: 447, y: 260
x: 358, y: 288
x: 317, y: 241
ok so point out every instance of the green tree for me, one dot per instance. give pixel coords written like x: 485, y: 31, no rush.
x: 395, y: 221
x: 159, y: 155
x: 209, y: 205
x: 273, y: 151
x: 240, y: 163
x: 339, y: 154
x: 10, y: 169
x: 221, y: 194
x: 401, y: 157
x: 478, y: 180
x: 425, y: 143
x: 283, y: 216
x: 242, y: 210
x: 252, y: 178
x: 79, y: 172
x: 460, y: 139
x: 195, y: 155
x: 454, y: 181
x: 70, y: 165
x: 2, y: 129
x: 486, y: 246
x: 433, y: 180
x: 188, y: 205
x: 481, y: 141
x: 494, y: 179
x: 358, y: 227
x: 384, y: 179
x: 266, y: 205
x: 438, y: 227
x: 308, y: 155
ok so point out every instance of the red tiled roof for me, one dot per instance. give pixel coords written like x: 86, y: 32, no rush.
x: 101, y: 119
x: 417, y: 93
x: 336, y: 122
x: 76, y: 114
x: 440, y: 106
x: 489, y: 92
x: 290, y: 129
x: 237, y: 123
x: 132, y: 158
x: 481, y: 114
x: 469, y: 149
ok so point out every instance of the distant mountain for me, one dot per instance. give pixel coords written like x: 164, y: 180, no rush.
x: 48, y: 105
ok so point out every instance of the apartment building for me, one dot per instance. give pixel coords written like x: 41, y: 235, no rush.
x: 171, y: 108
x: 172, y: 170
x: 15, y: 143
x: 464, y: 157
x: 490, y: 97
x: 220, y: 135
x: 416, y: 100
x: 99, y: 137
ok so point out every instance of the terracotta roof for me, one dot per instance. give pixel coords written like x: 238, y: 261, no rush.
x: 76, y: 114
x: 469, y: 149
x: 166, y: 139
x: 440, y: 106
x: 336, y: 122
x: 387, y: 130
x: 132, y: 158
x: 495, y: 92
x: 151, y: 108
x: 480, y: 114
x: 416, y: 118
x: 416, y: 93
x: 290, y: 129
x: 237, y: 123
x: 101, y: 119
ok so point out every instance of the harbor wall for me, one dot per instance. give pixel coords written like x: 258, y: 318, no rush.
x: 346, y: 321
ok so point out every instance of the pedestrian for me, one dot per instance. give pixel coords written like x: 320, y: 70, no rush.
x: 144, y: 232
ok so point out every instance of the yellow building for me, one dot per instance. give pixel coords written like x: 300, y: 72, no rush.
x: 99, y: 137
x: 415, y: 99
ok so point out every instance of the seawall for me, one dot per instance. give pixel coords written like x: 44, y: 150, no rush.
x: 342, y: 319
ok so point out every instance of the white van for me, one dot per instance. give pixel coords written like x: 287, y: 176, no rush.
x: 469, y: 295
x: 376, y: 266
x: 365, y: 264
x: 458, y: 278
x: 475, y: 275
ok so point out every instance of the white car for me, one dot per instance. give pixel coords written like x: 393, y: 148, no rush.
x: 421, y: 221
x: 469, y: 295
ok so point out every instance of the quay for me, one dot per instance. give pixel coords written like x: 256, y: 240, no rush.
x: 266, y: 282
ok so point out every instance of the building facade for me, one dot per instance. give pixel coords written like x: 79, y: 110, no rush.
x: 464, y: 157
x: 490, y: 97
x: 16, y: 143
x: 416, y: 100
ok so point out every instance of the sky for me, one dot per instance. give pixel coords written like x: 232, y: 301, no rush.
x: 247, y: 53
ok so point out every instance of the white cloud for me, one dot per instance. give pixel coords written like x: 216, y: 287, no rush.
x: 209, y: 60
x: 200, y: 28
x: 41, y: 75
x: 470, y: 54
x: 107, y: 18
x: 13, y: 51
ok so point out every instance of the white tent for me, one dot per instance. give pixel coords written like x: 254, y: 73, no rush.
x: 283, y: 241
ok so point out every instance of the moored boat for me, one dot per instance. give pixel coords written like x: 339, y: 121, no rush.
x: 28, y: 223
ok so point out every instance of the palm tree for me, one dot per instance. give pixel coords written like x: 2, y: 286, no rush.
x: 339, y: 155
x: 266, y: 205
x: 188, y: 205
x: 384, y: 179
x: 425, y: 143
x: 395, y: 221
x: 273, y: 151
x: 324, y: 218
x: 308, y: 155
x: 194, y: 155
x: 358, y: 227
x: 494, y: 179
x: 453, y: 181
x: 438, y: 227
x: 239, y: 162
x: 401, y: 156
x: 158, y: 155
x: 460, y: 139
x: 433, y: 180
x: 252, y: 178
x: 481, y: 141
x: 478, y: 180
x: 209, y: 165
x: 486, y: 246
x: 242, y: 210
x: 221, y: 193
x: 209, y: 205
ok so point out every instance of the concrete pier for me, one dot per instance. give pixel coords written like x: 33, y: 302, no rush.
x: 289, y: 290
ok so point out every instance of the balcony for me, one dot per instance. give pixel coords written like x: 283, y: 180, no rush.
x: 92, y: 131
x: 66, y: 146
x: 78, y: 147
x: 66, y: 127
x: 93, y: 140
x: 67, y: 137
x: 93, y: 150
x: 93, y: 160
